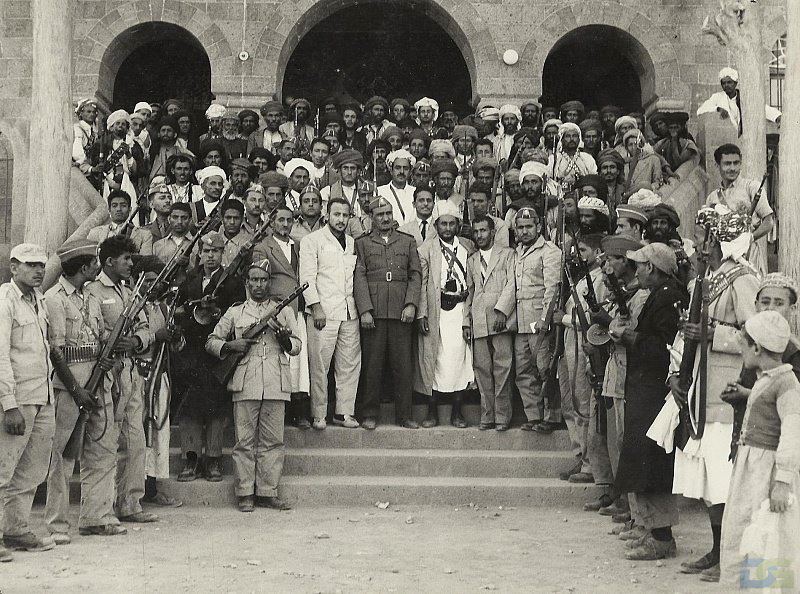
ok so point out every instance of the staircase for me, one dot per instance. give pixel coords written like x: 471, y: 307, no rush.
x: 443, y: 465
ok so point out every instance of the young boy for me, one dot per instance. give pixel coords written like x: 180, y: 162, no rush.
x: 768, y: 459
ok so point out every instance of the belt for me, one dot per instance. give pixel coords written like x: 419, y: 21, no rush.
x: 387, y: 277
x: 89, y: 351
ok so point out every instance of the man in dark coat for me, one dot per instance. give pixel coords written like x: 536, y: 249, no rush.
x: 386, y: 286
x: 204, y: 407
x: 645, y: 469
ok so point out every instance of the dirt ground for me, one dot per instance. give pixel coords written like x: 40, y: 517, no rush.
x: 399, y: 549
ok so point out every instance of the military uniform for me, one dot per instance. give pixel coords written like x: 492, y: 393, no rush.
x: 388, y: 276
x: 233, y: 245
x: 128, y: 386
x: 25, y: 385
x: 140, y: 236
x: 259, y: 388
x: 76, y: 326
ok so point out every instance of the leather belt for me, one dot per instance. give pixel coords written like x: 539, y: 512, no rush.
x: 89, y: 351
x: 386, y: 277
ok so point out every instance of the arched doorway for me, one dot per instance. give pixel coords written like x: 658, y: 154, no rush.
x: 391, y: 48
x: 155, y: 61
x: 599, y: 65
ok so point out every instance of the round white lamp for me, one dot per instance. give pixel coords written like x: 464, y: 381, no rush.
x: 510, y: 57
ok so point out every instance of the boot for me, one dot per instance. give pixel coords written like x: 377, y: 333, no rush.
x: 456, y: 420
x: 432, y: 418
x: 301, y: 410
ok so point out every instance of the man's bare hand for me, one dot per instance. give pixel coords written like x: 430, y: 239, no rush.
x: 498, y: 321
x: 319, y: 316
x: 240, y: 345
x: 423, y: 327
x: 14, y: 422
x: 466, y: 332
x: 367, y: 322
x: 408, y: 314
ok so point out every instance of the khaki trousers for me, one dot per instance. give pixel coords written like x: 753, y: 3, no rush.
x: 23, y: 465
x: 131, y: 445
x: 338, y: 341
x: 577, y: 426
x: 602, y: 468
x: 259, y: 450
x: 492, y: 357
x: 531, y: 355
x: 655, y: 510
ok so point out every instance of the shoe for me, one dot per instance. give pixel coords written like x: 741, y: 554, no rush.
x: 319, y: 424
x: 303, y: 424
x: 368, y: 424
x: 564, y: 476
x: 141, y: 517
x: 612, y: 509
x: 409, y: 424
x: 273, y: 502
x: 161, y: 500
x: 598, y: 504
x: 621, y: 528
x: 529, y: 425
x: 5, y: 555
x: 28, y: 542
x: 102, y: 530
x: 711, y: 574
x: 189, y: 472
x: 635, y: 533
x: 347, y: 421
x: 501, y: 427
x: 61, y: 538
x: 456, y: 418
x: 246, y: 503
x: 707, y: 561
x: 432, y: 418
x: 635, y: 543
x: 621, y: 518
x: 651, y: 549
x: 213, y: 470
x: 581, y: 477
x: 544, y: 427
x: 486, y: 426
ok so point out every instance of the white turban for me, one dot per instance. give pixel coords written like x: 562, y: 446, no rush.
x: 143, y: 105
x: 730, y: 73
x: 569, y: 126
x: 84, y: 102
x: 428, y: 102
x: 118, y: 116
x: 489, y: 113
x: 211, y: 171
x: 532, y: 168
x: 293, y: 164
x: 625, y: 120
x: 552, y: 122
x: 399, y: 154
x: 591, y: 203
x: 644, y: 199
x: 442, y: 145
x: 512, y: 109
x: 445, y: 208
x: 215, y: 110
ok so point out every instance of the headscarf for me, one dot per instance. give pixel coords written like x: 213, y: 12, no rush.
x: 438, y: 144
x: 347, y: 156
x: 552, y: 122
x: 569, y: 127
x: 445, y: 208
x: 143, y: 105
x: 462, y: 131
x: 83, y: 103
x: 611, y: 155
x: 390, y: 131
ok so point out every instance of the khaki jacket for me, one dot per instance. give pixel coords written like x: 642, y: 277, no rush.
x: 497, y: 293
x: 536, y: 272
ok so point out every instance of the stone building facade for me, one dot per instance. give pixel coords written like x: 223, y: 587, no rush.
x: 250, y: 42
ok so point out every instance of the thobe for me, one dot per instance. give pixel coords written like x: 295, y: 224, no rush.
x: 401, y: 199
x: 720, y: 99
x: 570, y: 168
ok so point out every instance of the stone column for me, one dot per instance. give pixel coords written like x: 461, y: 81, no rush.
x: 49, y: 165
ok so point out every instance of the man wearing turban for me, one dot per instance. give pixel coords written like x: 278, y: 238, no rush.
x: 268, y: 137
x: 568, y: 161
x: 728, y: 104
x: 503, y: 140
x: 299, y: 113
x: 398, y: 191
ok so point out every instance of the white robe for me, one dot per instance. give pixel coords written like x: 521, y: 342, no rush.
x: 721, y: 100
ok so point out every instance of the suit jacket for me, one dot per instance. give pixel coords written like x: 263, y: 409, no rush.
x: 283, y: 272
x: 156, y: 231
x: 387, y: 275
x: 498, y: 292
x: 328, y: 269
x: 412, y: 228
x: 536, y: 272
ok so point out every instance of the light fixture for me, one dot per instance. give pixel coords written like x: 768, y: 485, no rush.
x: 510, y: 57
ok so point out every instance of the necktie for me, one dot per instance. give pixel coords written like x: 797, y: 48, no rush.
x: 423, y: 229
x: 484, y: 267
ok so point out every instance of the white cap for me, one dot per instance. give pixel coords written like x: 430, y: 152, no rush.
x: 29, y: 253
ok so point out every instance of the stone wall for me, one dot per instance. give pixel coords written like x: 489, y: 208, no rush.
x: 679, y: 64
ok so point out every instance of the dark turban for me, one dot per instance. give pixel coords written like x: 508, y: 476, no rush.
x: 665, y: 211
x: 441, y: 165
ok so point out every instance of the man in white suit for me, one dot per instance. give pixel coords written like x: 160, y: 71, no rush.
x: 421, y: 227
x: 327, y: 264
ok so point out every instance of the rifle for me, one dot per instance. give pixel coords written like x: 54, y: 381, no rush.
x: 466, y: 225
x: 224, y: 370
x: 757, y: 197
x: 698, y: 313
x: 152, y: 384
x: 74, y: 445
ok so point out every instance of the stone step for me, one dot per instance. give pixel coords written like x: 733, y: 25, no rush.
x: 328, y: 490
x: 411, y: 462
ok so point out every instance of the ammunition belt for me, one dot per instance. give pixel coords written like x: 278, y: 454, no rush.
x: 89, y: 351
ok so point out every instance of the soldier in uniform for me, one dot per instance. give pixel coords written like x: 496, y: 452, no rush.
x: 119, y: 210
x: 26, y: 396
x: 112, y: 292
x: 75, y: 333
x: 386, y: 287
x: 233, y: 233
x: 260, y: 386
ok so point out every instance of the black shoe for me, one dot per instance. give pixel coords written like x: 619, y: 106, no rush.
x: 705, y: 562
x: 545, y: 427
x: 189, y: 472
x: 432, y: 418
x: 213, y: 470
x: 273, y: 503
x: 409, y: 424
x: 486, y: 426
x: 456, y: 418
x: 246, y: 503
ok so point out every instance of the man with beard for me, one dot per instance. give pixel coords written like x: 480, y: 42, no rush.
x: 375, y: 110
x: 463, y: 139
x: 427, y: 114
x: 399, y: 192
x: 248, y: 123
x: 421, y: 174
x: 377, y: 170
x: 611, y: 165
x: 212, y: 181
x: 240, y: 178
x: 234, y: 144
x: 386, y: 289
x: 572, y: 112
x: 531, y: 178
x: 727, y: 102
x: 444, y: 358
x: 214, y: 115
x: 299, y: 173
x: 530, y: 114
x: 443, y: 176
x: 268, y: 137
x: 159, y: 199
x: 510, y: 117
x: 569, y: 162
x: 299, y: 112
x: 593, y: 214
x: 180, y: 169
x: 609, y: 115
x: 592, y: 133
x: 130, y: 166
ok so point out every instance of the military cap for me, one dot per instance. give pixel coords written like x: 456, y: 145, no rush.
x: 214, y: 240
x: 75, y: 249
x: 619, y: 245
x: 28, y: 253
x: 658, y: 254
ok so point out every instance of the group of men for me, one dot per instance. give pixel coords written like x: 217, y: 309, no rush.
x: 332, y: 262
